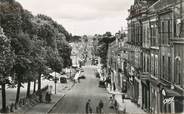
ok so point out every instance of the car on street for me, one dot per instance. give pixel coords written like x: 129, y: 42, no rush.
x: 101, y: 84
x: 63, y: 80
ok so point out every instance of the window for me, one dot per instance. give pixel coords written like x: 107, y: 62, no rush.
x: 169, y: 69
x: 166, y: 31
x: 144, y: 63
x: 144, y: 36
x: 148, y: 63
x: 153, y: 34
x: 178, y: 28
x: 152, y: 64
x: 179, y: 23
x: 177, y: 69
x: 156, y: 65
x: 163, y: 64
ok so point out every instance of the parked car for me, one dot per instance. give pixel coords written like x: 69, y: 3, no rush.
x: 82, y: 77
x: 101, y: 84
x: 63, y: 80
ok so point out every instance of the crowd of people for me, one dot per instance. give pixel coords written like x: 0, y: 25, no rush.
x: 113, y: 104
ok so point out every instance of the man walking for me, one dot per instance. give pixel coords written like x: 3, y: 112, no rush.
x: 88, y: 107
x: 100, y: 105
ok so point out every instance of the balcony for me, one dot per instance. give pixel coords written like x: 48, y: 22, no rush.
x: 177, y: 40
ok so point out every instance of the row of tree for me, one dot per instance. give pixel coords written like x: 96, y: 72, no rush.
x: 101, y: 45
x: 29, y: 46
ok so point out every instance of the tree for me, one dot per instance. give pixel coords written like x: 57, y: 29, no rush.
x: 22, y: 46
x: 64, y: 51
x: 6, y: 65
x: 103, y: 45
x: 32, y: 38
x: 39, y: 62
x: 54, y: 61
x: 10, y: 15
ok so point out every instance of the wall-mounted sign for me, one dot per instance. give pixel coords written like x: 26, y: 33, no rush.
x: 168, y: 100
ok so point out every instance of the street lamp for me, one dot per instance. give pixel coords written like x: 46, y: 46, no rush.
x: 55, y: 81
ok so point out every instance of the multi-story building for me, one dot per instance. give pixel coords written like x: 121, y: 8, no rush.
x: 161, y: 33
x: 135, y: 54
x: 115, y: 62
x: 152, y: 60
x: 166, y: 14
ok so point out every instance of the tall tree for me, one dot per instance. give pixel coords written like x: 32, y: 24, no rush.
x: 103, y: 45
x: 22, y: 46
x: 6, y: 65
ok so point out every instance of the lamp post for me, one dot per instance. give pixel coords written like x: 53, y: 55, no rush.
x: 55, y: 81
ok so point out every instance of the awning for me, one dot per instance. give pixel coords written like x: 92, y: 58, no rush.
x: 57, y: 75
x: 171, y: 93
x: 145, y: 81
x: 154, y: 82
x: 116, y: 93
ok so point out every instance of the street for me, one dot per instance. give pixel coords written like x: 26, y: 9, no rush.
x: 75, y: 100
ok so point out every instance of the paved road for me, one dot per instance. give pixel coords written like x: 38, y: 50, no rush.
x: 75, y: 99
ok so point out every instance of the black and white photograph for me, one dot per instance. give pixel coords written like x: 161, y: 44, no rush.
x: 92, y: 56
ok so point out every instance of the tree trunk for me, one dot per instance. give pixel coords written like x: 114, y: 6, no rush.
x: 39, y: 87
x: 34, y: 87
x: 18, y: 92
x: 3, y: 97
x: 28, y: 88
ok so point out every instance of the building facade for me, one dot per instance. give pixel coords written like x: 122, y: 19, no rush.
x: 152, y: 60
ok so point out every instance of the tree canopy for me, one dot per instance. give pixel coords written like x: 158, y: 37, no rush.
x: 30, y: 44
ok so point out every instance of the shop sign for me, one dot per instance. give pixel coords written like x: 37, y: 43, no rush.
x: 168, y: 100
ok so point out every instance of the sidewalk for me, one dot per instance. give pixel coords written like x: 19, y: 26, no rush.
x: 62, y: 89
x: 43, y: 107
x: 130, y: 107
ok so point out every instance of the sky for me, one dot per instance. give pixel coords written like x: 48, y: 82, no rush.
x: 83, y: 17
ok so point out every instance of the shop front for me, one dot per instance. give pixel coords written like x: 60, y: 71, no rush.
x: 171, y: 101
x: 145, y: 95
x: 130, y: 87
x: 136, y: 90
x: 154, y: 96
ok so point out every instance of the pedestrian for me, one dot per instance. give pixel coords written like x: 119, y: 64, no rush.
x: 110, y: 102
x: 97, y: 109
x: 101, y: 104
x: 115, y: 105
x: 114, y: 86
x: 90, y: 110
x: 123, y: 97
x: 48, y: 97
x: 88, y: 107
x: 124, y: 108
